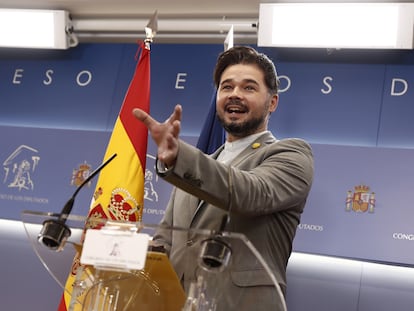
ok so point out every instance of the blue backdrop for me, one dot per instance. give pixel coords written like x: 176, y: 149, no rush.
x: 58, y: 108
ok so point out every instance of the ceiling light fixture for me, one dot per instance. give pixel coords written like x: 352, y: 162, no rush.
x: 336, y: 25
x: 44, y: 29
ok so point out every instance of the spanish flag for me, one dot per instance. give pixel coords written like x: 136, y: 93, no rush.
x: 119, y: 193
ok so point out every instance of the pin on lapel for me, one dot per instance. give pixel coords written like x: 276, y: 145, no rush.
x: 255, y: 145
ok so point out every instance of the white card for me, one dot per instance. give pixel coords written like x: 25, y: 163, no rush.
x: 114, y: 249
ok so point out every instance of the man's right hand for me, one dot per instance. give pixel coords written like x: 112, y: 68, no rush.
x: 165, y: 134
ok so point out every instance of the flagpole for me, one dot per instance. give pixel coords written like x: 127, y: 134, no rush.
x: 229, y: 41
x: 150, y: 30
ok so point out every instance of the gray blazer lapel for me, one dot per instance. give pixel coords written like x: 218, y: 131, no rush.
x: 216, y: 153
x: 260, y: 142
x: 197, y: 212
x: 201, y: 203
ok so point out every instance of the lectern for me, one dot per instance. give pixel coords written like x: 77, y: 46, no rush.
x: 118, y: 268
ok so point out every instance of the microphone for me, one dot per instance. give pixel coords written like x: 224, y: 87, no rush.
x: 55, y: 232
x: 215, y: 253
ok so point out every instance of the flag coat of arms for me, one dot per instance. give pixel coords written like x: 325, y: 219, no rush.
x: 119, y: 192
x: 361, y: 200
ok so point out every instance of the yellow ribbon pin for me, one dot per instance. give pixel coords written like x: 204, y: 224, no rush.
x: 255, y: 145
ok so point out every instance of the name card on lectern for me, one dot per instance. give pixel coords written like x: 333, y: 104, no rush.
x: 117, y: 249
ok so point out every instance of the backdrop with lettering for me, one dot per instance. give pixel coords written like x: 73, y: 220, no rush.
x: 58, y: 108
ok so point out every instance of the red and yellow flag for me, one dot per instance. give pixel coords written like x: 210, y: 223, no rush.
x: 119, y: 192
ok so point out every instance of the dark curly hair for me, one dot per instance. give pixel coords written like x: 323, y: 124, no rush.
x: 247, y: 55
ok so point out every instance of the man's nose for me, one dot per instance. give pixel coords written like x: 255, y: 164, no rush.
x: 236, y: 93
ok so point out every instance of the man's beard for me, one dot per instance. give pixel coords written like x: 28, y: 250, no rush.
x: 242, y: 129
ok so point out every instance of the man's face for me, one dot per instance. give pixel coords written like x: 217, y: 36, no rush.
x: 243, y: 101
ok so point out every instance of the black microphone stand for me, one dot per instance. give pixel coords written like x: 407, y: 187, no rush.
x: 55, y: 232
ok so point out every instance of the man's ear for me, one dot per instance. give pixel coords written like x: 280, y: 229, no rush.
x: 274, y: 101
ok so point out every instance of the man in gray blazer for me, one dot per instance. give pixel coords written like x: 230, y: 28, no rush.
x: 256, y: 183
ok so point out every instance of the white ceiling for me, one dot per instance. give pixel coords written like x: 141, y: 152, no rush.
x: 170, y: 8
x: 178, y: 20
x: 125, y: 20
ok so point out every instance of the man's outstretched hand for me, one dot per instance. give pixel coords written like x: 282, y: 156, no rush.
x: 165, y: 134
